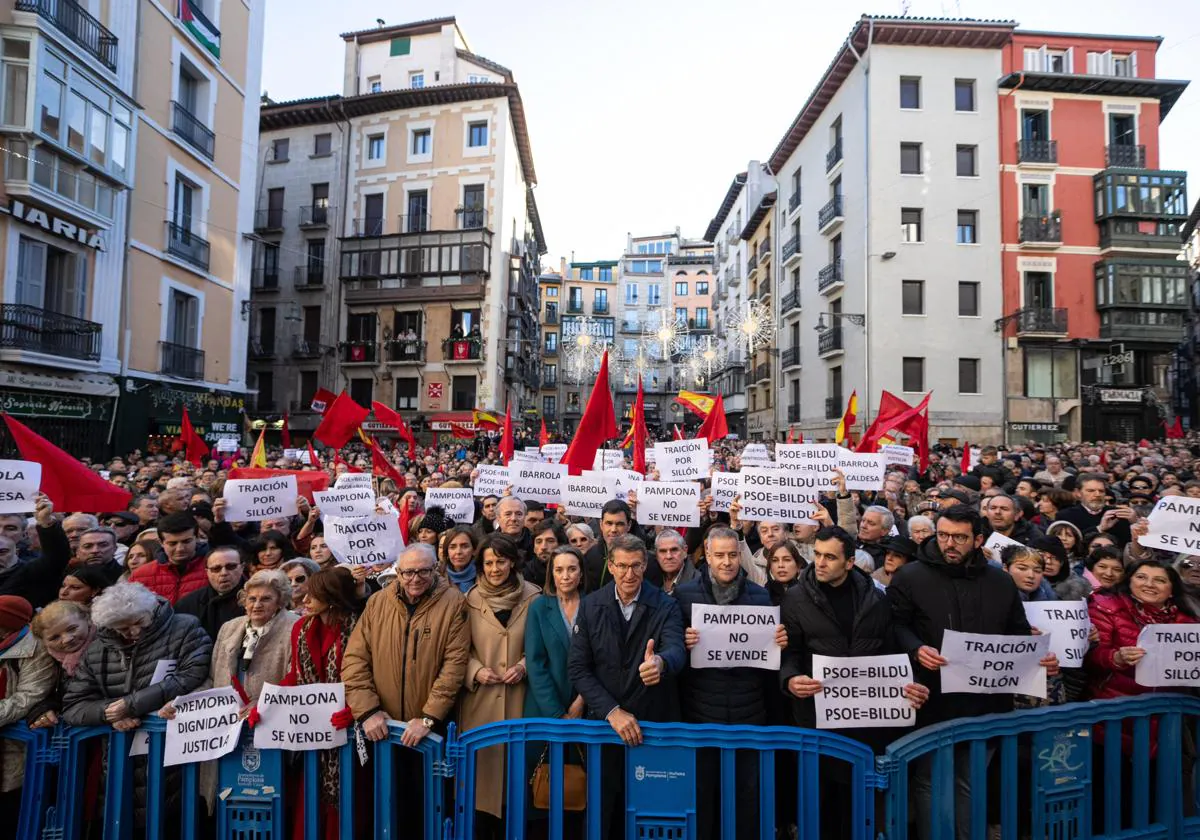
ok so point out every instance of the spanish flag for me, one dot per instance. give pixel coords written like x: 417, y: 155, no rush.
x: 848, y: 419
x: 258, y: 458
x: 698, y: 404
x: 485, y: 420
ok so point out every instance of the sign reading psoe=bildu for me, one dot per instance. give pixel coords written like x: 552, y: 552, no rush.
x: 862, y: 691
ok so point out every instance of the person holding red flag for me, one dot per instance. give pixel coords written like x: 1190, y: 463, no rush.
x: 544, y: 436
x: 195, y: 449
x: 506, y: 440
x: 392, y: 418
x: 598, y: 424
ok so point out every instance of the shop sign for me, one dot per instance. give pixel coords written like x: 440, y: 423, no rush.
x: 1120, y: 395
x: 98, y: 387
x: 47, y: 221
x: 172, y: 401
x: 1034, y: 427
x: 211, y: 432
x: 28, y: 404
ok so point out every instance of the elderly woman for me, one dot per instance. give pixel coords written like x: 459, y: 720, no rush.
x: 580, y: 536
x: 27, y: 676
x: 920, y: 528
x: 1105, y: 570
x: 458, y: 556
x: 65, y: 629
x: 298, y: 572
x: 1067, y: 585
x: 497, y: 609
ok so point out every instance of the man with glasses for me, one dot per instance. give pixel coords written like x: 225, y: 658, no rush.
x: 217, y: 602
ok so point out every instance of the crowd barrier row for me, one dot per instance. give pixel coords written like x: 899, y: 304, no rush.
x: 1103, y: 769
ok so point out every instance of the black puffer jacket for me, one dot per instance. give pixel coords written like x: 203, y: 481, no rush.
x: 113, y: 669
x: 931, y: 596
x: 723, y: 695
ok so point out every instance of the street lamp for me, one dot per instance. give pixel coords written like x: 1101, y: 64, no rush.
x: 852, y: 317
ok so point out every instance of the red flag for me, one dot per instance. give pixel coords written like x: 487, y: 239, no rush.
x: 461, y: 432
x: 913, y: 422
x: 715, y: 426
x: 639, y: 430
x: 391, y: 418
x: 337, y: 459
x: 965, y: 466
x: 1104, y: 458
x: 597, y: 425
x: 676, y: 432
x: 342, y: 419
x: 1176, y: 431
x: 790, y: 438
x: 506, y: 440
x: 70, y: 485
x: 321, y: 400
x: 313, y: 460
x: 194, y: 446
x: 285, y: 434
x: 543, y: 435
x: 381, y: 466
x: 800, y: 437
x: 405, y: 502
x: 306, y: 480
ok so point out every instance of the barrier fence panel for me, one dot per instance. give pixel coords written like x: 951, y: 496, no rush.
x: 1107, y: 768
x: 39, y: 760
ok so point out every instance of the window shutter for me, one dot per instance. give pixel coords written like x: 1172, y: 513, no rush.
x: 401, y: 46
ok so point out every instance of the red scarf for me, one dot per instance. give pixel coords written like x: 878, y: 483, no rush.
x: 1145, y: 614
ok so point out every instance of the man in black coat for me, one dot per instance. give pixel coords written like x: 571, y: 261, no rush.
x: 616, y: 520
x: 724, y: 695
x: 626, y: 655
x: 1007, y: 518
x: 1091, y: 513
x: 217, y: 603
x: 37, y: 580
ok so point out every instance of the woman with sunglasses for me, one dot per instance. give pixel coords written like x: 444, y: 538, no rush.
x: 299, y: 571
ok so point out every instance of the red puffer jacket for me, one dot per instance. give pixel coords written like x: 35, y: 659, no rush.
x: 169, y: 581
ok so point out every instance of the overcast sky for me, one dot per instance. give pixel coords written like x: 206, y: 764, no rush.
x: 641, y: 112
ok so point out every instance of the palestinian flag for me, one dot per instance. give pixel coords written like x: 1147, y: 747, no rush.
x: 200, y: 27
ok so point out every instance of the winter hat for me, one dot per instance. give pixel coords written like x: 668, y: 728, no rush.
x: 435, y: 520
x: 901, y: 545
x: 1052, y: 545
x: 971, y: 482
x: 15, y: 614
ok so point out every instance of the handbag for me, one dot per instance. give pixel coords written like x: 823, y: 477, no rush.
x: 574, y: 784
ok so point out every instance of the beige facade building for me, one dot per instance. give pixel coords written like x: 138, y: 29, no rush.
x: 550, y: 300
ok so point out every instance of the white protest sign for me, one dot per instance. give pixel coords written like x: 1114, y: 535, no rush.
x: 734, y: 637
x: 973, y: 458
x: 298, y: 717
x: 779, y: 495
x: 540, y: 482
x: 895, y: 453
x: 1172, y: 655
x: 1068, y: 626
x: 292, y: 454
x: 585, y: 495
x: 458, y: 502
x: 526, y: 457
x: 672, y: 503
x: 862, y: 471
x: 349, y: 479
x: 228, y: 445
x: 141, y: 740
x: 983, y: 664
x: 1174, y: 525
x: 724, y: 490
x: 19, y: 483
x: 608, y: 459
x: 859, y: 691
x: 256, y: 499
x: 353, y: 501
x: 553, y: 452
x: 817, y: 458
x: 621, y: 481
x: 491, y: 480
x: 756, y: 455
x: 649, y: 450
x: 996, y: 543
x: 681, y: 460
x: 303, y: 457
x: 206, y: 726
x: 362, y: 541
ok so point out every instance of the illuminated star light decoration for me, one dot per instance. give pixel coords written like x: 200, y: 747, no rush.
x: 583, y: 344
x: 752, y: 327
x: 634, y: 366
x: 705, y: 359
x: 669, y: 336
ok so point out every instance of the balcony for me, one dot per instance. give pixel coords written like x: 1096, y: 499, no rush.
x: 830, y: 342
x: 764, y: 250
x: 264, y: 280
x: 315, y: 215
x: 462, y: 350
x: 762, y: 373
x: 702, y: 326
x: 1042, y: 231
x: 262, y: 347
x: 549, y: 381
x: 425, y: 266
x: 575, y: 307
x: 634, y: 327
x: 1037, y: 151
x: 405, y: 351
x: 1125, y: 157
x: 1135, y: 233
x: 834, y: 156
x: 764, y: 288
x: 1142, y: 325
x: 308, y: 278
x: 193, y: 132
x: 830, y: 214
x: 600, y: 307
x: 548, y: 351
x: 793, y: 201
x: 39, y: 330
x: 357, y: 352
x: 73, y: 21
x: 793, y: 414
x: 269, y: 220
x: 371, y: 226
x: 474, y: 219
x: 305, y: 349
x: 833, y: 407
x: 1033, y: 321
x: 830, y: 276
x: 550, y: 318
x: 791, y: 250
x: 189, y: 247
x: 180, y: 361
x: 790, y: 304
x: 751, y: 264
x: 791, y: 357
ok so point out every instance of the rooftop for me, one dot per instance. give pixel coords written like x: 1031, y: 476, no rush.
x: 383, y: 33
x: 714, y: 227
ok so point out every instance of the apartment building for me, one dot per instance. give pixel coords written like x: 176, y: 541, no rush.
x: 550, y: 298
x: 1095, y: 295
x: 761, y: 366
x: 1186, y: 373
x: 587, y: 306
x: 121, y: 306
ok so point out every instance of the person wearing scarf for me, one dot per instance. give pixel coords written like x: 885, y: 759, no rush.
x: 497, y: 609
x: 27, y: 675
x: 65, y: 629
x: 458, y: 557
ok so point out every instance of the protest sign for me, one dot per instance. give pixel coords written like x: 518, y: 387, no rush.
x: 862, y: 471
x: 756, y: 455
x: 1172, y: 655
x: 818, y: 458
x: 585, y: 495
x: 256, y: 499
x: 349, y: 479
x: 19, y: 483
x: 996, y: 544
x: 553, y: 452
x: 292, y: 454
x: 724, y: 490
x: 1174, y: 525
x: 895, y: 453
x: 540, y: 482
x: 1068, y: 626
x: 458, y: 502
x: 206, y: 726
x: 859, y: 691
x: 672, y: 503
x: 734, y: 637
x: 353, y: 501
x: 140, y: 743
x: 491, y: 480
x: 776, y: 495
x: 620, y: 481
x: 228, y: 445
x: 983, y: 664
x: 973, y: 458
x: 363, y: 541
x: 298, y: 717
x: 681, y: 460
x: 608, y: 459
x: 526, y: 457
x: 649, y: 450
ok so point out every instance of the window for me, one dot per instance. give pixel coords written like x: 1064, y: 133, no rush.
x: 1058, y: 61
x: 309, y: 380
x: 477, y: 134
x: 362, y: 391
x: 473, y: 213
x: 575, y: 303
x: 1038, y: 290
x: 374, y: 84
x: 407, y: 390
x: 15, y: 79
x: 681, y: 314
x: 631, y: 294
x: 968, y: 376
x: 966, y: 161
x: 585, y: 273
x: 400, y: 46
x: 1050, y: 374
x: 645, y: 266
x: 322, y: 145
x: 421, y: 141
x: 681, y: 288
x: 463, y: 394
x: 320, y: 197
x: 701, y: 317
x: 701, y: 287
x: 910, y: 158
x: 964, y: 94
x: 279, y: 149
x: 552, y: 291
x: 315, y: 259
x: 910, y: 225
x: 914, y: 374
x: 187, y: 197
x: 183, y: 319
x: 912, y: 297
x: 375, y: 147
x: 606, y: 275
x: 474, y: 79
x: 551, y: 342
x: 910, y: 92
x: 653, y: 294
x: 968, y: 227
x: 416, y: 79
x: 51, y: 278
x: 1123, y: 65
x: 360, y: 327
x: 600, y: 300
x: 968, y: 299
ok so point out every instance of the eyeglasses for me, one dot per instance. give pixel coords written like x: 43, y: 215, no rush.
x: 957, y: 539
x: 228, y: 567
x: 299, y: 578
x: 409, y: 574
x: 624, y: 568
x: 1190, y: 564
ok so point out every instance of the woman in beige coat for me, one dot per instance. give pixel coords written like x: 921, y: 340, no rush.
x: 497, y: 607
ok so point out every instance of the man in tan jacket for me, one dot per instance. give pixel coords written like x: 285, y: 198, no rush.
x: 407, y: 656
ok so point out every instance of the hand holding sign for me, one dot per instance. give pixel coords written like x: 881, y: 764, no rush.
x: 803, y: 687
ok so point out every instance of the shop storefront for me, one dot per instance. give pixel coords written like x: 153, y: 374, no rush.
x: 1043, y: 433
x: 150, y: 414
x: 72, y: 412
x: 1123, y: 414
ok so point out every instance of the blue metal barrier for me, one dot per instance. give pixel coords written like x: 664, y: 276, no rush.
x: 39, y: 760
x: 1046, y: 785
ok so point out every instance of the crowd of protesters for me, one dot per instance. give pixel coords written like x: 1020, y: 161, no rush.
x: 528, y: 613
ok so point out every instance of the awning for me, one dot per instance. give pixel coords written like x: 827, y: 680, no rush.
x: 441, y: 422
x: 93, y: 385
